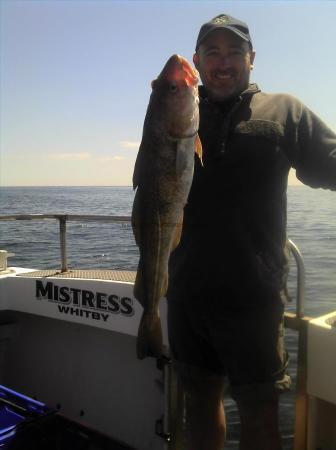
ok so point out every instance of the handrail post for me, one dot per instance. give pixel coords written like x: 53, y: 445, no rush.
x: 62, y: 221
x: 300, y: 279
x: 302, y: 400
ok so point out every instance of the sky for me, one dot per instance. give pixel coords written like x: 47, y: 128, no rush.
x: 75, y: 76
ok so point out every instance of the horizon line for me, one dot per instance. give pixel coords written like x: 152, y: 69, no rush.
x: 92, y: 186
x: 64, y: 185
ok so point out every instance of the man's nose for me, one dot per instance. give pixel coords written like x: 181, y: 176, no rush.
x: 225, y: 61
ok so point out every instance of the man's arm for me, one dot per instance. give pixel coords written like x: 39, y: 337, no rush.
x: 315, y: 151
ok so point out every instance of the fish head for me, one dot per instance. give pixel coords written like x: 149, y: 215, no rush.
x: 176, y: 93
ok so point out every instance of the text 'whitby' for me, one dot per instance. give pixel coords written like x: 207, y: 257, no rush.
x: 82, y: 298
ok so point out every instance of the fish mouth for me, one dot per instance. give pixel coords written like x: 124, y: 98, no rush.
x: 179, y: 68
x: 191, y: 74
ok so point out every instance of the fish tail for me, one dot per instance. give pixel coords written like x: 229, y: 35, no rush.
x: 149, y: 342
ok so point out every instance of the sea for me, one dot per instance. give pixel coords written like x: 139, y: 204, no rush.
x: 36, y: 245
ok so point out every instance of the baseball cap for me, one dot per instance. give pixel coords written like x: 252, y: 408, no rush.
x: 224, y: 21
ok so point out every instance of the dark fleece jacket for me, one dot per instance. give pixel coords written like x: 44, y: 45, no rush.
x: 234, y: 240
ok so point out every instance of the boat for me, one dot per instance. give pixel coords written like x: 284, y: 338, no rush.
x: 67, y: 356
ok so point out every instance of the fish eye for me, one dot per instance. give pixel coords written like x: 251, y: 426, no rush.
x: 173, y: 87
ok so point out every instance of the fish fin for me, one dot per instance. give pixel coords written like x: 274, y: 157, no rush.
x: 138, y: 286
x: 164, y: 286
x: 139, y: 290
x: 178, y: 233
x: 198, y: 148
x: 136, y: 217
x: 149, y: 342
x: 140, y: 163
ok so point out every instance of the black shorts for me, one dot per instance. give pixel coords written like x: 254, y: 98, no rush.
x: 247, y: 345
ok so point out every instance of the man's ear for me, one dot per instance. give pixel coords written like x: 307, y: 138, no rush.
x: 252, y: 56
x: 196, y: 60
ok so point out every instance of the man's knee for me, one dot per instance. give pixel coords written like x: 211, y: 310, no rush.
x: 199, y: 381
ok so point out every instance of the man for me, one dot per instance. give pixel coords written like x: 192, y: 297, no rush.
x: 227, y: 286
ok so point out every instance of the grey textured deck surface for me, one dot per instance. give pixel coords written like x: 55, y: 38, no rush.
x: 110, y: 275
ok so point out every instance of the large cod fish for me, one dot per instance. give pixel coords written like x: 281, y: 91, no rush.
x: 163, y: 175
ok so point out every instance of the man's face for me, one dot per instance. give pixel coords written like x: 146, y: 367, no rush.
x: 224, y: 62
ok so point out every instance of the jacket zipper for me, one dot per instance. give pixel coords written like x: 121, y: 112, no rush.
x: 226, y: 126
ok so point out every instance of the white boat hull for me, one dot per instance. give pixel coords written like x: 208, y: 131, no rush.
x: 65, y: 343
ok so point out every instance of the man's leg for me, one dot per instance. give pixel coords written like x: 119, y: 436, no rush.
x: 205, y: 418
x: 259, y: 425
x: 258, y: 376
x: 203, y: 386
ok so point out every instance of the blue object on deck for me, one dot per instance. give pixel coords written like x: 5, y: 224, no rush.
x: 8, y: 421
x: 17, y: 409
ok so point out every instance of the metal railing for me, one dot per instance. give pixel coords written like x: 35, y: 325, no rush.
x: 296, y: 321
x: 64, y: 218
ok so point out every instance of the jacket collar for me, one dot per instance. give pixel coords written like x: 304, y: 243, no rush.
x: 251, y: 90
